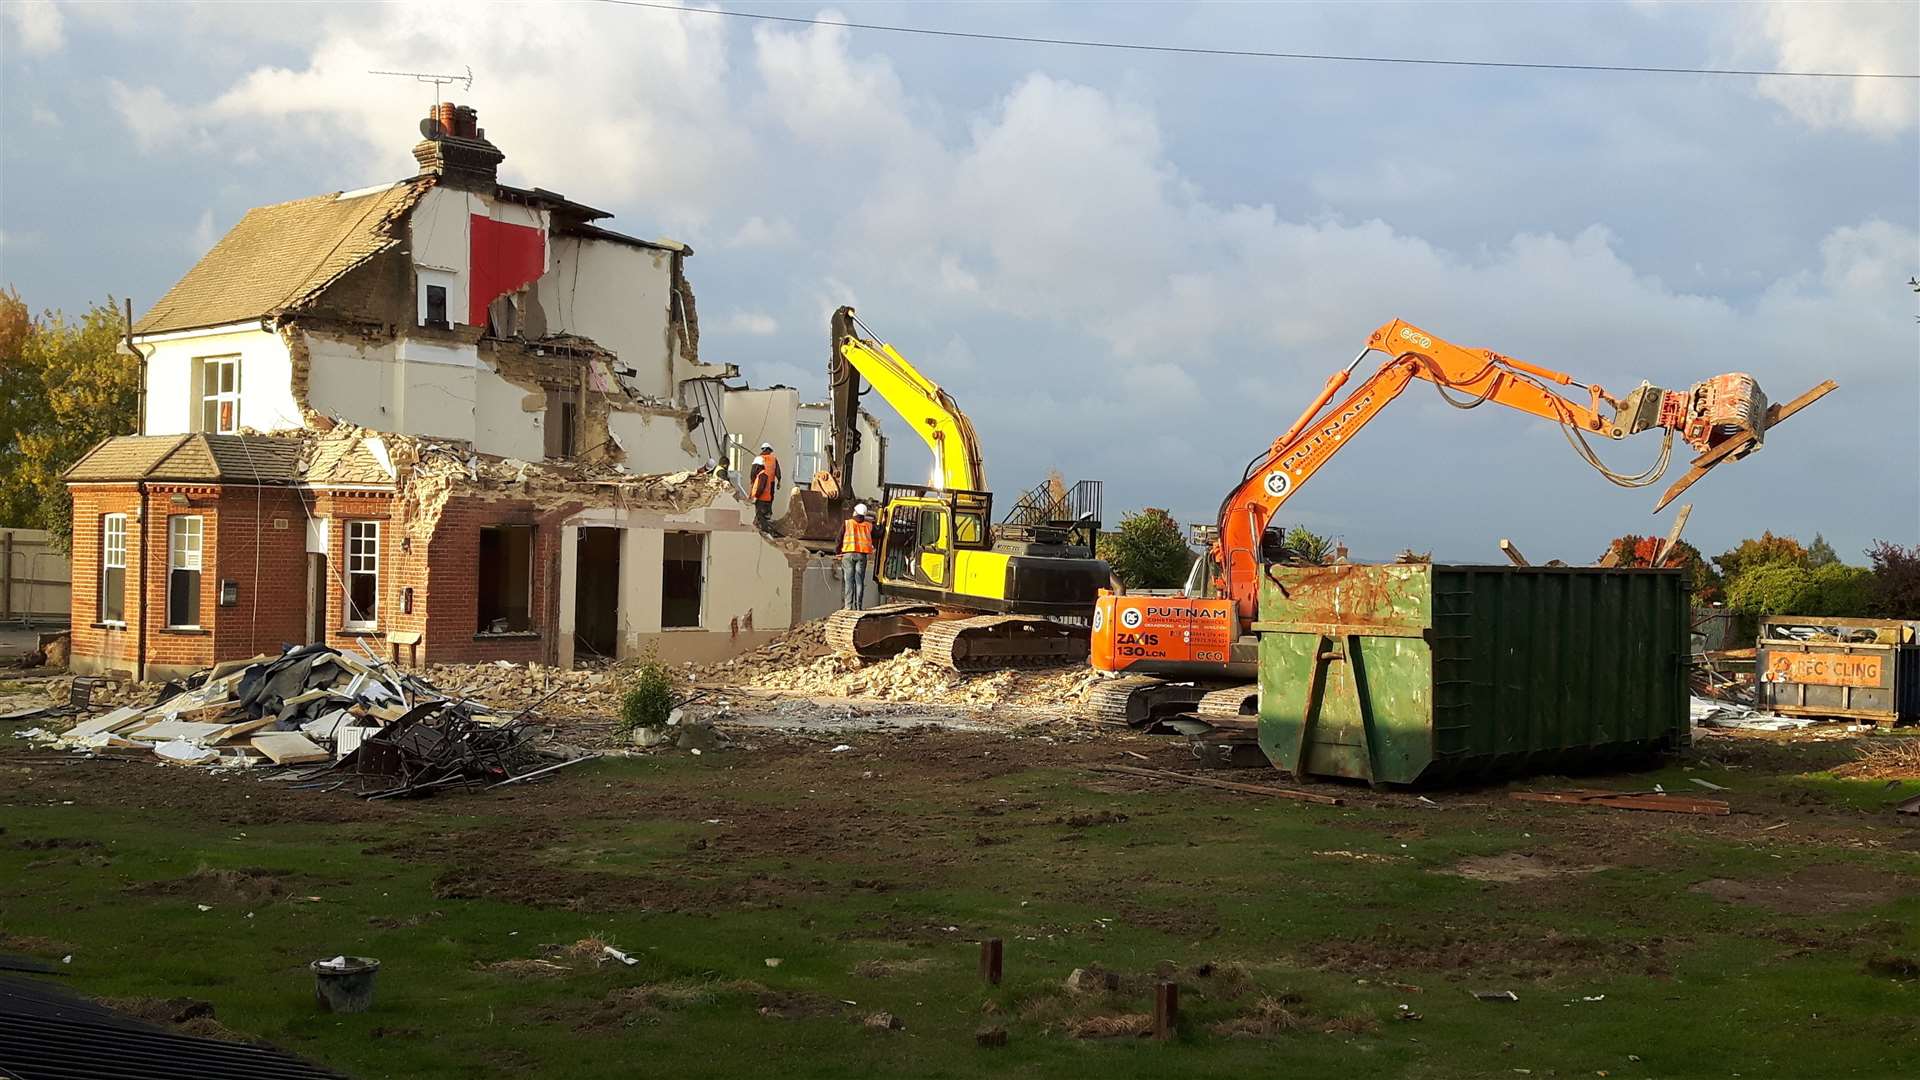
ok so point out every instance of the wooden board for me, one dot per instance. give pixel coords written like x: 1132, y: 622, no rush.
x: 245, y: 727
x: 1630, y: 800
x: 289, y: 748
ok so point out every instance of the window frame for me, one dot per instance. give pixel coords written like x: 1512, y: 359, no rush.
x: 701, y: 564
x: 213, y: 396
x: 802, y: 456
x: 182, y: 528
x: 362, y: 560
x: 108, y: 552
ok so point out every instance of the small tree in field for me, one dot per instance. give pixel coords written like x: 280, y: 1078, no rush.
x: 1147, y: 551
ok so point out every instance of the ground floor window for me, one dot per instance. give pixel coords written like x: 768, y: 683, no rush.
x: 113, y: 568
x: 505, y: 588
x: 363, y: 574
x: 184, y: 537
x: 683, y: 571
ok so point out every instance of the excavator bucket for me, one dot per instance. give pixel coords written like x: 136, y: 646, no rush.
x: 1723, y: 421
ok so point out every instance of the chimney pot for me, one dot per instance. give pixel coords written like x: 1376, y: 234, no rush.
x: 444, y: 115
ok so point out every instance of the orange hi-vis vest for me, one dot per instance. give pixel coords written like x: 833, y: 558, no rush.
x: 857, y: 538
x: 763, y: 480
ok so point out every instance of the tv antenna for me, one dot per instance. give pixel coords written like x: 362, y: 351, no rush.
x: 438, y: 81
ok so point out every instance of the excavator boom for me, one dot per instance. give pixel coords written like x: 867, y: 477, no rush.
x: 1725, y: 418
x: 927, y: 409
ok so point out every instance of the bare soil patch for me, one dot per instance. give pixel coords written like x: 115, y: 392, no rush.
x: 1512, y: 867
x: 1816, y: 889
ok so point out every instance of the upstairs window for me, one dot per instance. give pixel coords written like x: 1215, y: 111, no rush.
x: 184, y: 536
x: 809, y: 440
x: 437, y: 305
x: 363, y: 574
x: 219, y: 394
x: 113, y: 569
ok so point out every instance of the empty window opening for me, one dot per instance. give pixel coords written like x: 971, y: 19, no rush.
x: 113, y: 568
x: 596, y: 593
x: 436, y: 313
x: 505, y: 590
x: 363, y: 574
x: 184, y: 536
x: 683, y: 566
x: 563, y: 423
x: 220, y: 395
x: 809, y: 445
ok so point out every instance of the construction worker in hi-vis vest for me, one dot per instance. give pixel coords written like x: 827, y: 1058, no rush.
x: 762, y: 481
x: 856, y: 550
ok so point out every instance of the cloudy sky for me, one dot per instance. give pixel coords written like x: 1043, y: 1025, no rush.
x: 1128, y: 265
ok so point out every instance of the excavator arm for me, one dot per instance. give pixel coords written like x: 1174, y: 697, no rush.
x: 927, y: 409
x: 1725, y: 418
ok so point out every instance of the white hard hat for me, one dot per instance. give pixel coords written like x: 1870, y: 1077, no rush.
x: 860, y: 509
x: 766, y: 446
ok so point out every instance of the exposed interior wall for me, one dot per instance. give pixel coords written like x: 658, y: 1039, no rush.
x: 615, y: 294
x: 748, y: 591
x: 756, y: 416
x: 173, y: 395
x: 654, y: 440
x: 415, y: 386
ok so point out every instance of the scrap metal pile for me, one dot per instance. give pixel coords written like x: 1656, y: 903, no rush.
x: 371, y: 725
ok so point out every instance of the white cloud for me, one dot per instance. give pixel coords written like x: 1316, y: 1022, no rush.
x: 37, y: 26
x: 758, y: 233
x: 1862, y: 36
x: 581, y: 99
x: 752, y: 323
x: 154, y: 120
x: 41, y: 116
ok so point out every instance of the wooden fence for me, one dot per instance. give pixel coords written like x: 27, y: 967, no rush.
x: 34, y: 578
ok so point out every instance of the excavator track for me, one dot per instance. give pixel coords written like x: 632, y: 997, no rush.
x: 1117, y: 700
x: 1232, y: 706
x: 993, y: 642
x: 878, y: 632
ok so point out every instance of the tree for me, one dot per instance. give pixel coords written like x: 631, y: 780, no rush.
x: 1768, y: 549
x: 1787, y: 588
x: 64, y: 386
x: 1147, y: 551
x: 1309, y: 547
x: 1820, y: 553
x: 1631, y: 550
x: 1896, y: 580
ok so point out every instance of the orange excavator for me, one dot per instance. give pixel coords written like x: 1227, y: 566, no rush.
x: 1191, y: 655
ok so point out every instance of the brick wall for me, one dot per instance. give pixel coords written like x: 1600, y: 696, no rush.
x: 96, y: 646
x: 428, y: 583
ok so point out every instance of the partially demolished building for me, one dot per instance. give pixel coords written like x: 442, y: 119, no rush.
x: 445, y: 420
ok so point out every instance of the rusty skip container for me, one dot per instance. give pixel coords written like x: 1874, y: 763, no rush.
x: 1856, y: 669
x: 1413, y: 673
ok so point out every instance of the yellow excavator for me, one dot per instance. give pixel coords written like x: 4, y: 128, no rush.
x: 970, y: 593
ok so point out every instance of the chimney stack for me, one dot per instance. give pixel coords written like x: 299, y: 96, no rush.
x: 456, y: 149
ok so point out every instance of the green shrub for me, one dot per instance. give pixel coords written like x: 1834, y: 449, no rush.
x: 648, y: 699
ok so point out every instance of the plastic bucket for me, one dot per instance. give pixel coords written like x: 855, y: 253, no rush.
x: 344, y: 988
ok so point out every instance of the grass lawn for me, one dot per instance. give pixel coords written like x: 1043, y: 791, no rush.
x: 1765, y: 944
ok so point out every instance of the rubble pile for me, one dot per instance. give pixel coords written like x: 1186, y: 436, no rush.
x: 389, y: 731
x: 912, y: 677
x: 801, y: 645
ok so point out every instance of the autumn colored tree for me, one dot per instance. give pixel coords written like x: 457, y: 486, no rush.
x: 1633, y: 550
x: 1147, y: 551
x: 64, y: 386
x: 1768, y: 549
x: 1896, y: 579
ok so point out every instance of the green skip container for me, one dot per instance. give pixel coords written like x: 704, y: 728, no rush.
x: 1413, y: 673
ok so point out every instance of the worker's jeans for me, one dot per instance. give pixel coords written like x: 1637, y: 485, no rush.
x: 763, y: 514
x: 853, y: 581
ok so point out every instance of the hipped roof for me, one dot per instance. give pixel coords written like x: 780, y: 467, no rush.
x: 277, y: 257
x: 233, y: 459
